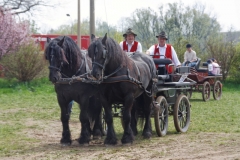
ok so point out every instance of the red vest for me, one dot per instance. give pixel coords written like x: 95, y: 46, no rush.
x: 133, y: 49
x: 168, y: 54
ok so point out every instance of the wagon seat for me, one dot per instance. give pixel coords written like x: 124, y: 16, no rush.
x: 162, y: 71
x: 197, y: 66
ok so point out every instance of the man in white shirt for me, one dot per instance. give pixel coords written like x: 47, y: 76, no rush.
x: 163, y: 50
x: 190, y: 57
x: 130, y: 45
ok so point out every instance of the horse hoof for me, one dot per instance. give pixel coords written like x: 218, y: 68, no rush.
x: 83, y: 141
x: 66, y: 142
x: 97, y: 137
x: 110, y: 141
x: 147, y: 135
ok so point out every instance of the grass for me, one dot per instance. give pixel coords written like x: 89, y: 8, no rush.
x: 36, y: 101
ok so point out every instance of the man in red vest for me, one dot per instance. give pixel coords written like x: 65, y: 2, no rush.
x: 163, y: 50
x: 130, y: 45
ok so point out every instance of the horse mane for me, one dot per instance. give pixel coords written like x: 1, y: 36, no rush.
x: 115, y: 53
x: 71, y: 51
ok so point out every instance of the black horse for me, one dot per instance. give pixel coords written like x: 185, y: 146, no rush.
x: 123, y: 80
x: 66, y: 60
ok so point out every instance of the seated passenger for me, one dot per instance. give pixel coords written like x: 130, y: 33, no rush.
x: 163, y: 50
x: 130, y: 45
x: 213, y: 67
x: 190, y: 57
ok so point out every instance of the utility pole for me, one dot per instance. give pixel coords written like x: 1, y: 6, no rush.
x: 92, y: 17
x: 79, y: 26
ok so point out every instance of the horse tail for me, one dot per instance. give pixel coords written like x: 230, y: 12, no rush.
x: 138, y: 111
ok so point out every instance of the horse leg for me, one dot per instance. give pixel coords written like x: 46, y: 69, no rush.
x: 128, y: 133
x: 111, y: 138
x: 84, y: 119
x: 66, y: 135
x: 95, y: 109
x: 134, y: 117
x: 147, y: 131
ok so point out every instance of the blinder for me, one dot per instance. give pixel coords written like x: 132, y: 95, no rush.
x: 104, y: 56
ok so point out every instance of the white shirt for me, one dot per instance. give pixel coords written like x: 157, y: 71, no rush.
x: 162, y: 51
x: 139, y: 47
x: 190, y: 56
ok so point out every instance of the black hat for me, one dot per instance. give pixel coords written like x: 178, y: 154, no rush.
x: 162, y: 35
x: 188, y: 46
x: 129, y: 31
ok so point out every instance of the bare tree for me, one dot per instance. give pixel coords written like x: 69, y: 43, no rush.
x: 22, y: 6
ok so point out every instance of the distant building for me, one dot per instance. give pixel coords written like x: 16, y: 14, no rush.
x: 41, y: 39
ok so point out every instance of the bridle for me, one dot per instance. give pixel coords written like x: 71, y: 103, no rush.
x: 56, y: 68
x: 105, y: 56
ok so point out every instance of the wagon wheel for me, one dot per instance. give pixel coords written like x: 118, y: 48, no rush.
x: 181, y: 113
x: 206, y: 89
x: 161, y: 116
x: 217, y: 90
x: 104, y: 124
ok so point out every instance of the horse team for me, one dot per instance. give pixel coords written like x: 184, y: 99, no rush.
x: 130, y: 81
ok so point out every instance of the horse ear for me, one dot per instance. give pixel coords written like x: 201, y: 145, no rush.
x: 48, y: 40
x: 104, y: 39
x: 93, y: 37
x: 60, y: 43
x: 64, y: 58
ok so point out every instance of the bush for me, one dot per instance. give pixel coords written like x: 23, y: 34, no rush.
x: 25, y: 64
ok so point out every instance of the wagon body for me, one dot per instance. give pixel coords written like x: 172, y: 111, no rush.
x: 205, y: 83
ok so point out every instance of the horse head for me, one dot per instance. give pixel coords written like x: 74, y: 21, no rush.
x: 99, y: 54
x: 54, y: 53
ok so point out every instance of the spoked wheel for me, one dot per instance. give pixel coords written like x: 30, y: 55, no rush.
x: 181, y: 113
x: 104, y: 124
x: 206, y: 90
x: 161, y: 116
x: 217, y: 90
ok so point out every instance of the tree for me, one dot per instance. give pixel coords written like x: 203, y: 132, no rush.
x: 101, y: 29
x: 145, y: 23
x: 21, y: 6
x: 12, y: 34
x: 225, y: 50
x: 188, y: 24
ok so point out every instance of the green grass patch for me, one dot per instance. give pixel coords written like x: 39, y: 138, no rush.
x: 37, y: 101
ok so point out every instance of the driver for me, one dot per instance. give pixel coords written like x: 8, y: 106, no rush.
x: 162, y: 50
x: 130, y: 45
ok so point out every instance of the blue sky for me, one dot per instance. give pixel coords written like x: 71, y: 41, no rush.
x: 227, y: 12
